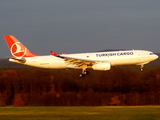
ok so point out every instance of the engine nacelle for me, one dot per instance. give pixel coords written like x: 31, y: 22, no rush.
x: 102, y: 66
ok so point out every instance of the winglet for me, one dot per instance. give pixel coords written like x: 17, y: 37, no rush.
x: 63, y: 53
x: 53, y: 53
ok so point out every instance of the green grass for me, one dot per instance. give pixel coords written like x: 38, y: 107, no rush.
x: 81, y: 113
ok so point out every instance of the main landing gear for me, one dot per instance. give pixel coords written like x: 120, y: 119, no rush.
x: 84, y: 72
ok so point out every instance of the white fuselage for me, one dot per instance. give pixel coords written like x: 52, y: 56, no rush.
x: 115, y: 58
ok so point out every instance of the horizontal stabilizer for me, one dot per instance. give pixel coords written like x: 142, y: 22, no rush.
x: 22, y: 60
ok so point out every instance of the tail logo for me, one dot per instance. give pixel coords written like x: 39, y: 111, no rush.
x: 18, y: 50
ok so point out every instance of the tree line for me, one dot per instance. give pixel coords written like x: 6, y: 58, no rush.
x: 41, y: 87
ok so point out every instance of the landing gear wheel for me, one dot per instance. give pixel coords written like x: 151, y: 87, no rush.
x: 81, y: 75
x: 85, y: 72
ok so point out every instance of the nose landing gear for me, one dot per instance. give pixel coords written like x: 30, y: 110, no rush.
x: 141, y: 66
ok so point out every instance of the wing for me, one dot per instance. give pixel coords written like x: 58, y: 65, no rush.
x: 78, y: 62
x: 74, y: 61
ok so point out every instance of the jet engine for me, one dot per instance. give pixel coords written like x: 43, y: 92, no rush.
x: 102, y: 66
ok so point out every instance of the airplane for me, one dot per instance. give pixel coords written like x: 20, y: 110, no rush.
x: 102, y: 61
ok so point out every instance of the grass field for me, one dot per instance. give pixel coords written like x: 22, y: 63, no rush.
x: 81, y: 113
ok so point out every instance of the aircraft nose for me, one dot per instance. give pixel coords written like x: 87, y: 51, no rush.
x: 156, y: 56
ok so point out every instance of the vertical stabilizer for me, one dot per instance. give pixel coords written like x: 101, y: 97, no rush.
x: 17, y: 49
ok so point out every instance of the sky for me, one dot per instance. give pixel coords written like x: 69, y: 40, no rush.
x: 79, y: 26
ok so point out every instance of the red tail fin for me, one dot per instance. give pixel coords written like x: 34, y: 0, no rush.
x: 17, y: 49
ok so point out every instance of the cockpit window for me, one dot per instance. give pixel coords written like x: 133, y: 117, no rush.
x: 151, y: 53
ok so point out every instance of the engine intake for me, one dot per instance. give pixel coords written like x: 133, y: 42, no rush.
x: 102, y: 66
